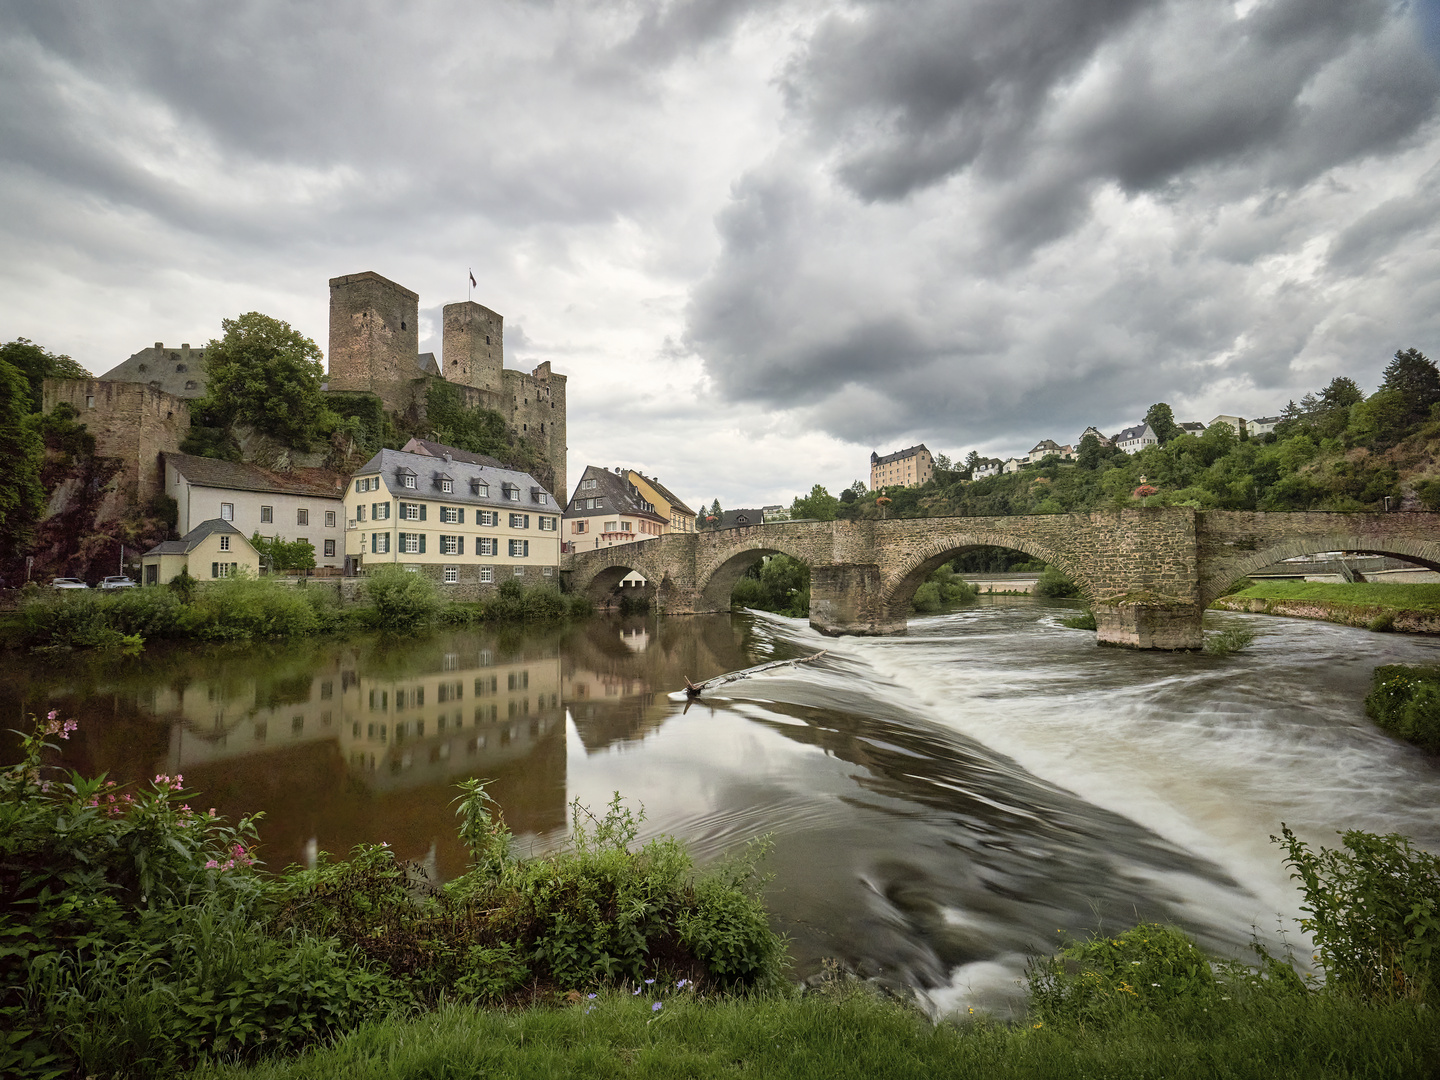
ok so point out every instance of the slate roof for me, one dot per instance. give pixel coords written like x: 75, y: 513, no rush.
x: 176, y: 371
x: 240, y: 476
x: 191, y: 540
x: 669, y: 495
x: 731, y: 519
x: 898, y: 455
x: 618, y: 496
x: 1131, y: 433
x: 435, y: 449
x: 390, y: 464
x: 1193, y: 427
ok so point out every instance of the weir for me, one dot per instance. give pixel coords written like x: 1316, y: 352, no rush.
x: 1148, y: 573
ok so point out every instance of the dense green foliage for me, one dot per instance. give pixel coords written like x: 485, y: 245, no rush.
x: 22, y: 498
x: 1406, y: 700
x: 1373, y: 911
x: 400, y: 600
x: 602, y: 911
x: 944, y: 586
x: 1055, y: 585
x: 277, y: 553
x: 36, y: 364
x: 778, y: 583
x: 137, y: 936
x: 263, y: 373
x: 450, y: 421
x: 1227, y: 641
x: 1334, y: 450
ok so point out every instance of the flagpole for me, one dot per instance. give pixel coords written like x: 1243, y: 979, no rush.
x: 469, y: 284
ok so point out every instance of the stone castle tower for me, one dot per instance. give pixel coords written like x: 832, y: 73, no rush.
x: 375, y: 347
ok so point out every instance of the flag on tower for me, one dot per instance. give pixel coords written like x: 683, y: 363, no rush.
x: 472, y: 278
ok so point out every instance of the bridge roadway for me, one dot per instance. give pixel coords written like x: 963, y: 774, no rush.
x: 1147, y: 573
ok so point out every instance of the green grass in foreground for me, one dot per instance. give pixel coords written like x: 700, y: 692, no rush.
x: 857, y: 1035
x: 1400, y: 596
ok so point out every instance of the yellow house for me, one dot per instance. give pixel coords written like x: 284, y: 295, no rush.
x: 682, y: 518
x: 463, y: 524
x: 212, y: 550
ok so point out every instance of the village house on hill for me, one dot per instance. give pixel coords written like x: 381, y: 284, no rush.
x: 214, y: 549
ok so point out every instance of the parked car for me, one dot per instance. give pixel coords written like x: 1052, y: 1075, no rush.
x: 68, y: 583
x: 117, y: 581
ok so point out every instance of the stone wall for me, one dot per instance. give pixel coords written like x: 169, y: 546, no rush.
x: 534, y: 405
x: 469, y: 587
x: 473, y: 346
x: 131, y: 422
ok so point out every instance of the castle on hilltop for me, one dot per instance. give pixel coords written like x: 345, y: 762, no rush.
x: 375, y: 348
x: 140, y: 408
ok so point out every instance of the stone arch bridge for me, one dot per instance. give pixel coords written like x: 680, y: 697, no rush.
x: 1148, y: 573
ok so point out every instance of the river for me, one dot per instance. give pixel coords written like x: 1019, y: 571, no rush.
x: 941, y: 803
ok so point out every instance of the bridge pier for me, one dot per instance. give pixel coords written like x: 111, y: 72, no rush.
x: 1151, y: 623
x: 847, y: 598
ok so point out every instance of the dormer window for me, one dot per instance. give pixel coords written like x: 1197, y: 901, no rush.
x: 408, y: 481
x: 480, y: 488
x: 447, y: 485
x: 586, y: 485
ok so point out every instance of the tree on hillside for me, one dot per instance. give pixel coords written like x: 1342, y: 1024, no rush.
x: 1162, y: 422
x: 22, y: 498
x: 37, y: 364
x: 973, y: 461
x: 1089, y: 456
x: 819, y: 505
x: 944, y: 464
x: 1342, y: 392
x: 1413, y: 375
x: 265, y: 374
x: 859, y: 488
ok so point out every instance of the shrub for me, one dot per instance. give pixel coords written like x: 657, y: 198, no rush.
x: 245, y: 608
x: 1406, y: 701
x: 1383, y: 623
x: 1055, y: 585
x: 1084, y: 621
x: 1374, y: 913
x: 400, y: 600
x: 1227, y: 641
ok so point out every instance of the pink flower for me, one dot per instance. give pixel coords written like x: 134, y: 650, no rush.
x: 52, y: 714
x: 211, y: 864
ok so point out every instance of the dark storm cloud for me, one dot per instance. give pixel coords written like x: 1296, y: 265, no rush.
x: 1002, y: 216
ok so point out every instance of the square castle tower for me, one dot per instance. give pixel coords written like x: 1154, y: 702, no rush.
x: 375, y: 348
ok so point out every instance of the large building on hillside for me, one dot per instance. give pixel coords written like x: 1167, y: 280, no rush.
x: 464, y: 525
x: 910, y: 467
x: 180, y: 372
x: 667, y: 504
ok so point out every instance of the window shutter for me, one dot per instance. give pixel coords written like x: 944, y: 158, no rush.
x: 525, y: 548
x: 372, y: 544
x: 422, y: 511
x: 234, y: 569
x: 422, y: 543
x: 214, y: 569
x: 460, y: 545
x: 375, y: 511
x: 527, y: 521
x: 462, y: 515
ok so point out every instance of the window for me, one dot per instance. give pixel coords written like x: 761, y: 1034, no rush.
x: 409, y: 480
x: 450, y: 545
x: 224, y: 543
x: 577, y: 526
x: 360, y: 512
x: 410, y: 511
x: 380, y: 511
x: 541, y: 497
x: 447, y: 486
x: 624, y: 526
x: 267, y: 515
x: 518, y: 680
x: 329, y: 549
x: 519, y: 571
x: 223, y: 570
x: 379, y: 543
x: 452, y: 575
x: 302, y: 517
x: 227, y: 511
x: 512, y: 493
x: 486, y: 545
x: 548, y: 571
x: 519, y: 549
x: 519, y: 521
x: 483, y: 490
x: 486, y: 574
x: 449, y: 515
x: 412, y: 543
x: 489, y: 518
x: 89, y: 401
x: 587, y: 485
x: 329, y: 519
x: 612, y: 526
x: 546, y: 524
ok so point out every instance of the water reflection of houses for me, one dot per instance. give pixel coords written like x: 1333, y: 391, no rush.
x: 360, y: 746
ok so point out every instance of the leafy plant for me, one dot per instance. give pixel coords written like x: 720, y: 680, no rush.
x: 1055, y: 584
x: 1374, y: 913
x: 400, y: 600
x: 1230, y: 640
x: 1406, y: 701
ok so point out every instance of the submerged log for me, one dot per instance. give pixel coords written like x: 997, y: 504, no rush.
x: 693, y: 690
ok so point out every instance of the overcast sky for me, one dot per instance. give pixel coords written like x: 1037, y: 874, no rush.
x: 761, y: 239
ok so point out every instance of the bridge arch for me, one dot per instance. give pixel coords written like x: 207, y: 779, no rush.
x: 717, y: 579
x: 604, y: 568
x: 911, y: 572
x: 1224, y: 572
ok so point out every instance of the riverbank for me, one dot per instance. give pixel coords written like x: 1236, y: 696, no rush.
x: 1407, y: 608
x: 855, y: 1034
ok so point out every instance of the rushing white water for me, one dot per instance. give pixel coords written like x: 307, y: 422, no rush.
x: 1007, y: 780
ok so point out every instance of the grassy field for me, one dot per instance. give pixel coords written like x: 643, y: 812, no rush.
x: 858, y: 1035
x: 1397, y: 596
